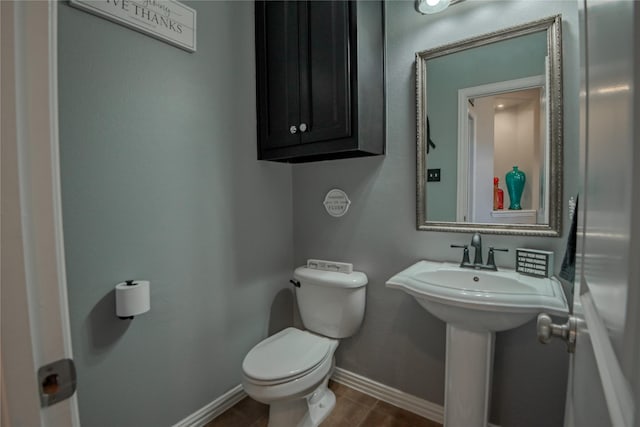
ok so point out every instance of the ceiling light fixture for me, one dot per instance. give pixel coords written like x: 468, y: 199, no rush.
x: 427, y: 7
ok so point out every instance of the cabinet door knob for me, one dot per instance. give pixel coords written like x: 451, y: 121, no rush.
x: 303, y: 127
x: 293, y: 130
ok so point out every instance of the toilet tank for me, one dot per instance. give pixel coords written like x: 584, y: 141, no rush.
x: 331, y: 303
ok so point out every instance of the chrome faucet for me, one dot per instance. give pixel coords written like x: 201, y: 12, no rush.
x: 476, y: 242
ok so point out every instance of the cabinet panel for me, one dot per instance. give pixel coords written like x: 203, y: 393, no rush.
x: 321, y: 64
x: 325, y: 96
x: 278, y: 77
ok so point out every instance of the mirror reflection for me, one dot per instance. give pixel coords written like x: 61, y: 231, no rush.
x: 489, y: 132
x: 503, y: 134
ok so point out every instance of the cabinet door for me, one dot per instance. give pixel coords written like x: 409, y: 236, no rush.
x: 277, y: 63
x: 325, y: 87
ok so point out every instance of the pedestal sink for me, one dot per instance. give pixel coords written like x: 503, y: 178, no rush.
x: 476, y: 304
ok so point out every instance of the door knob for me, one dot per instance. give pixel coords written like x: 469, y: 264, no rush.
x: 547, y: 330
x: 293, y: 130
x: 303, y: 127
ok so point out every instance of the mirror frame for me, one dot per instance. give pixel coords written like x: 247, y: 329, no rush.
x: 553, y: 27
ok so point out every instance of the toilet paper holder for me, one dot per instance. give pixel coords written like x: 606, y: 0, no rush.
x: 132, y: 298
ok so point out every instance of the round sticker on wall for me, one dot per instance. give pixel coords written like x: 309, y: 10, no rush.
x: 336, y: 202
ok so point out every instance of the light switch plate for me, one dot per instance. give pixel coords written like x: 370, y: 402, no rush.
x: 433, y: 175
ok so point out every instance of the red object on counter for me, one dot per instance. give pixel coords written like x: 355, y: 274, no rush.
x: 498, y: 195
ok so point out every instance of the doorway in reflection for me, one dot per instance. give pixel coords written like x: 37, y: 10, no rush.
x: 502, y: 130
x: 507, y: 133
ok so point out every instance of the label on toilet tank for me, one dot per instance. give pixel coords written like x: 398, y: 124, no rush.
x: 339, y: 267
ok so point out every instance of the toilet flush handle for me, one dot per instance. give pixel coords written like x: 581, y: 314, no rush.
x: 295, y: 283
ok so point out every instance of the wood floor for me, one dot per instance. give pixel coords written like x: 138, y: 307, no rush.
x: 353, y: 409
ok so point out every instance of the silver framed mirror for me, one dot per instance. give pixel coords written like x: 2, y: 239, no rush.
x: 489, y: 109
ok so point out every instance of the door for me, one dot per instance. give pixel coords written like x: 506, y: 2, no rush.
x: 603, y: 380
x: 278, y: 74
x: 325, y: 102
x: 303, y: 66
x: 35, y: 322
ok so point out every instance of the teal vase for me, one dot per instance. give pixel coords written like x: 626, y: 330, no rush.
x: 515, y: 180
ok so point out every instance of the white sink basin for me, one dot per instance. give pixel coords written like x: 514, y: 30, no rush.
x: 480, y: 299
x: 475, y: 304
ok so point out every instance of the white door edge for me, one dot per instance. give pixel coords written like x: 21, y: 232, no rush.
x: 36, y: 124
x: 55, y: 177
x: 616, y: 389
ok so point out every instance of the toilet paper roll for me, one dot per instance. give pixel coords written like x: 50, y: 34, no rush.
x: 132, y: 298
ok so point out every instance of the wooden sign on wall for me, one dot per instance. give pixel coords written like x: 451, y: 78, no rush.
x: 166, y: 20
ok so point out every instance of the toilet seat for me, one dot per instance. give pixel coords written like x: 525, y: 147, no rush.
x: 294, y: 386
x: 286, y: 356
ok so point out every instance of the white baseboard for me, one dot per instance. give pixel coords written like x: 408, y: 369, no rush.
x: 398, y: 398
x: 424, y: 408
x: 210, y: 411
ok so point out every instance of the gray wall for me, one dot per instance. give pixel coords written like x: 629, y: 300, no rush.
x: 400, y: 344
x: 160, y: 182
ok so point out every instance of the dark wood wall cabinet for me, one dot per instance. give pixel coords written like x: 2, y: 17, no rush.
x: 320, y: 79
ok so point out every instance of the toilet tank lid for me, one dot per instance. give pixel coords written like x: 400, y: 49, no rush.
x: 355, y: 279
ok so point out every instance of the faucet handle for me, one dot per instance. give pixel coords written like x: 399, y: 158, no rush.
x: 491, y: 261
x: 465, y: 254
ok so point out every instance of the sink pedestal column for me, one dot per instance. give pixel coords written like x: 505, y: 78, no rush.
x: 469, y: 368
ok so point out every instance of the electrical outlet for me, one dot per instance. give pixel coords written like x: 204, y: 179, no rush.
x: 433, y: 175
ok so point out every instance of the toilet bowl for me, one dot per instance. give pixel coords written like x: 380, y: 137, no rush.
x: 290, y: 370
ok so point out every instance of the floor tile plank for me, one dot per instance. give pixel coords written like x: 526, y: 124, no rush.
x: 353, y: 409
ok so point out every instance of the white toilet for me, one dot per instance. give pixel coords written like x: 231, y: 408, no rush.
x: 290, y: 370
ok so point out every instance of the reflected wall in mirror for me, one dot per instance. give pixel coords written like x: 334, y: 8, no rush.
x: 490, y: 104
